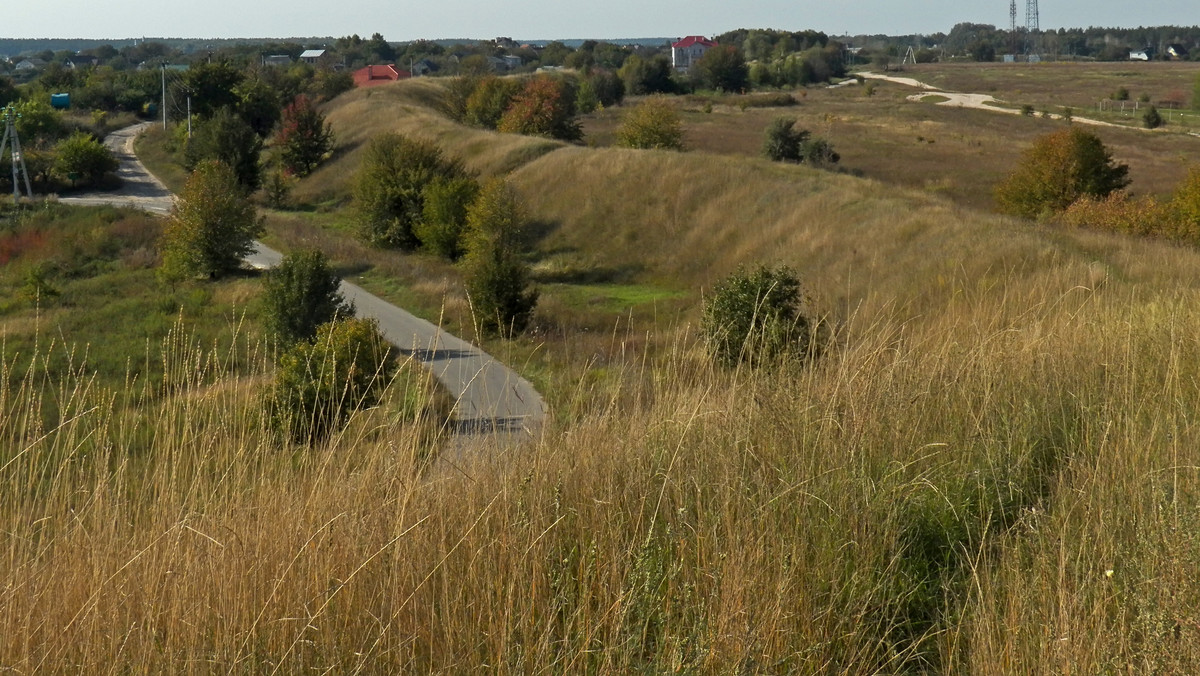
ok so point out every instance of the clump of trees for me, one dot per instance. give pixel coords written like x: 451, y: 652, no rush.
x: 83, y: 159
x: 653, y: 124
x: 782, y: 142
x: 212, y: 226
x: 227, y: 138
x: 389, y: 192
x: 496, y: 276
x: 758, y: 316
x: 1059, y: 169
x: 722, y: 68
x: 544, y: 107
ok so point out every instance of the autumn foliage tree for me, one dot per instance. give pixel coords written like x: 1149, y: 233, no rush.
x: 1056, y: 171
x: 305, y: 137
x: 545, y: 107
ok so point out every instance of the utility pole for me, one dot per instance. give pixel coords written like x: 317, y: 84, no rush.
x: 18, y: 159
x: 164, y: 94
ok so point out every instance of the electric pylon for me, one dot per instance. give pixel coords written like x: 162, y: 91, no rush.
x: 14, y: 144
x: 1032, y: 27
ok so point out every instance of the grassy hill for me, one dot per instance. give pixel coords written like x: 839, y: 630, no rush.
x: 988, y: 472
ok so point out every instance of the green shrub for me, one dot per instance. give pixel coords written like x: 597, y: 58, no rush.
x: 1151, y: 119
x: 82, y: 158
x: 389, y: 190
x: 490, y: 98
x: 302, y: 293
x: 321, y: 383
x: 758, y: 316
x: 653, y: 124
x: 445, y: 215
x: 782, y: 142
x: 227, y: 138
x: 496, y: 277
x: 1056, y: 171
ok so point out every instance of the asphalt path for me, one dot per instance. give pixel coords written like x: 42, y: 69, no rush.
x: 490, y: 397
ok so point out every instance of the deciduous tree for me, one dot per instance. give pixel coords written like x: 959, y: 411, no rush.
x: 389, y: 189
x: 496, y: 277
x: 225, y: 137
x: 305, y: 138
x: 654, y: 123
x: 212, y: 226
x: 82, y: 157
x: 1057, y: 170
x: 723, y: 68
x: 301, y: 294
x: 545, y: 107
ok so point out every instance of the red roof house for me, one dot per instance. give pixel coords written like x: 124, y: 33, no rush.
x: 688, y: 50
x: 377, y: 75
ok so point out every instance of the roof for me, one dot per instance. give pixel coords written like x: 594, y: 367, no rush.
x: 312, y: 54
x: 376, y: 75
x: 693, y: 40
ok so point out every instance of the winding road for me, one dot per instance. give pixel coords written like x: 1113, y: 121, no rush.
x: 490, y: 397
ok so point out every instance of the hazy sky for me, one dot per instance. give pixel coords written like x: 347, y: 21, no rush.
x: 549, y: 19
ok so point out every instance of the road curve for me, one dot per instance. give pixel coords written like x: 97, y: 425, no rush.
x: 490, y: 397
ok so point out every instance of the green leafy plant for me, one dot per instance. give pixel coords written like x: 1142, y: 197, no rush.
x: 496, y: 277
x: 757, y: 316
x: 389, y: 190
x: 305, y: 137
x: 654, y: 124
x: 1151, y: 119
x: 302, y: 293
x: 444, y: 218
x: 321, y: 383
x: 212, y: 226
x: 81, y: 157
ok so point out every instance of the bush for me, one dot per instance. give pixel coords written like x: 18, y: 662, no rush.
x: 1056, y: 171
x: 321, y: 383
x: 758, y: 316
x: 445, y: 215
x: 490, y: 99
x: 211, y: 227
x: 389, y: 191
x: 1185, y: 207
x: 653, y: 124
x: 545, y: 107
x: 82, y: 157
x: 1151, y: 119
x: 722, y: 68
x: 497, y: 279
x: 302, y: 293
x: 1119, y: 212
x: 305, y: 137
x: 782, y: 142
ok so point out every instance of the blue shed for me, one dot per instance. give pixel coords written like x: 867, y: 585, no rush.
x: 60, y: 101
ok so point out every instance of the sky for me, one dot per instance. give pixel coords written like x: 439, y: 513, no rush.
x: 401, y: 20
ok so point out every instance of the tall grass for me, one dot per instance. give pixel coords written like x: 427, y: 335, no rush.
x: 945, y: 495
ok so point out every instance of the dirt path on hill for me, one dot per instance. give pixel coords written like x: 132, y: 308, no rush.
x: 976, y: 101
x: 490, y: 396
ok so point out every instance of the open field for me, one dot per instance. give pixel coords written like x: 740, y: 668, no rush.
x: 989, y: 470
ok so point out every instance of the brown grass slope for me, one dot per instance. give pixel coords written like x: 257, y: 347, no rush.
x: 989, y: 472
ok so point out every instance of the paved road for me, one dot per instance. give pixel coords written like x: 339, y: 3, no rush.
x: 490, y: 396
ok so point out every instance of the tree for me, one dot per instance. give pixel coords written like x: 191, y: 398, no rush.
x: 758, y: 316
x: 445, y: 215
x: 646, y: 76
x: 305, y: 137
x: 81, y: 156
x: 497, y: 279
x: 321, y: 383
x: 722, y: 67
x: 1151, y: 119
x: 227, y: 138
x: 545, y: 107
x: 212, y: 226
x: 212, y: 86
x: 1057, y: 170
x: 301, y: 294
x: 490, y: 99
x: 653, y: 124
x: 782, y: 142
x: 258, y: 104
x: 389, y: 189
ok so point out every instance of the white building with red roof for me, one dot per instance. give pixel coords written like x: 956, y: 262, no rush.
x: 689, y: 50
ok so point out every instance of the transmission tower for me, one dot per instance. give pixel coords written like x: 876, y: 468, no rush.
x: 1012, y: 31
x: 1031, y: 27
x: 18, y: 159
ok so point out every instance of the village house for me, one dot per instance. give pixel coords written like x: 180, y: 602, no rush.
x: 372, y: 76
x: 312, y: 56
x: 688, y: 51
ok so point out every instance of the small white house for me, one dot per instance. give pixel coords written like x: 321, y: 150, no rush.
x: 1139, y: 55
x: 311, y: 56
x: 688, y: 51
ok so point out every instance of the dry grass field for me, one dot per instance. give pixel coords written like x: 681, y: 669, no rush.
x: 989, y: 471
